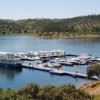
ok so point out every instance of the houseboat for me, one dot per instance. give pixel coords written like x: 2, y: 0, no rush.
x: 8, y: 60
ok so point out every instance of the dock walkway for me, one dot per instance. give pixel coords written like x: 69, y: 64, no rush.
x: 58, y: 71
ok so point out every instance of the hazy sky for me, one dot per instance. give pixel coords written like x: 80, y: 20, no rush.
x: 21, y: 9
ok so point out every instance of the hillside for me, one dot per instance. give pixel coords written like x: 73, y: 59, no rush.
x: 92, y: 88
x: 77, y: 26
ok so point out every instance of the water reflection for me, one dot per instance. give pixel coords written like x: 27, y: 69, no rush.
x: 9, y: 73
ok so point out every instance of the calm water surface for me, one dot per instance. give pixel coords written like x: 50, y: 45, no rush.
x: 19, y: 78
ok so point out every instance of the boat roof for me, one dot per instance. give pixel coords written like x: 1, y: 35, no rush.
x: 3, y: 52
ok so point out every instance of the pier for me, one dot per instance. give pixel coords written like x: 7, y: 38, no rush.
x: 58, y: 71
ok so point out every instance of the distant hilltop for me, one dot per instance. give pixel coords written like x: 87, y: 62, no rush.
x: 72, y: 27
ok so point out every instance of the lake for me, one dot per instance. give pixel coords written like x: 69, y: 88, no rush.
x: 19, y: 78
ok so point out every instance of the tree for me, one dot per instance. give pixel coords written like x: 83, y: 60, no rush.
x: 93, y: 70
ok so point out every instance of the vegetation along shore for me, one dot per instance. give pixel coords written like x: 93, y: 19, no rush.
x: 47, y: 92
x: 77, y: 27
x: 90, y: 91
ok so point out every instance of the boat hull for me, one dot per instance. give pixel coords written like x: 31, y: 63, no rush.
x: 7, y: 65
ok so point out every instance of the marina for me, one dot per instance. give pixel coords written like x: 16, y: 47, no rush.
x: 52, y: 65
x: 27, y: 54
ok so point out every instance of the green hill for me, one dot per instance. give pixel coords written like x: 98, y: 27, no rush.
x: 77, y: 26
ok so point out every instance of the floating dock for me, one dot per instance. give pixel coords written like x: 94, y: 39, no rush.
x: 74, y: 74
x: 39, y: 67
x: 58, y: 71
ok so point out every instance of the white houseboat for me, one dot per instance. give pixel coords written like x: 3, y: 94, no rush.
x: 8, y: 60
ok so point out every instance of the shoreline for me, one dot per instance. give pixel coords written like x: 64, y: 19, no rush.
x: 60, y: 36
x: 71, y: 37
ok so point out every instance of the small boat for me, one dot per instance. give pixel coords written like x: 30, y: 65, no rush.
x: 54, y: 53
x: 57, y: 71
x: 54, y: 65
x: 30, y: 58
x: 66, y: 63
x: 97, y: 59
x: 44, y: 59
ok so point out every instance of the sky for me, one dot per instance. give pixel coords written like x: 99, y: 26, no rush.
x: 23, y: 9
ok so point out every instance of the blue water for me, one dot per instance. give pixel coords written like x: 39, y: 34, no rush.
x: 17, y: 79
